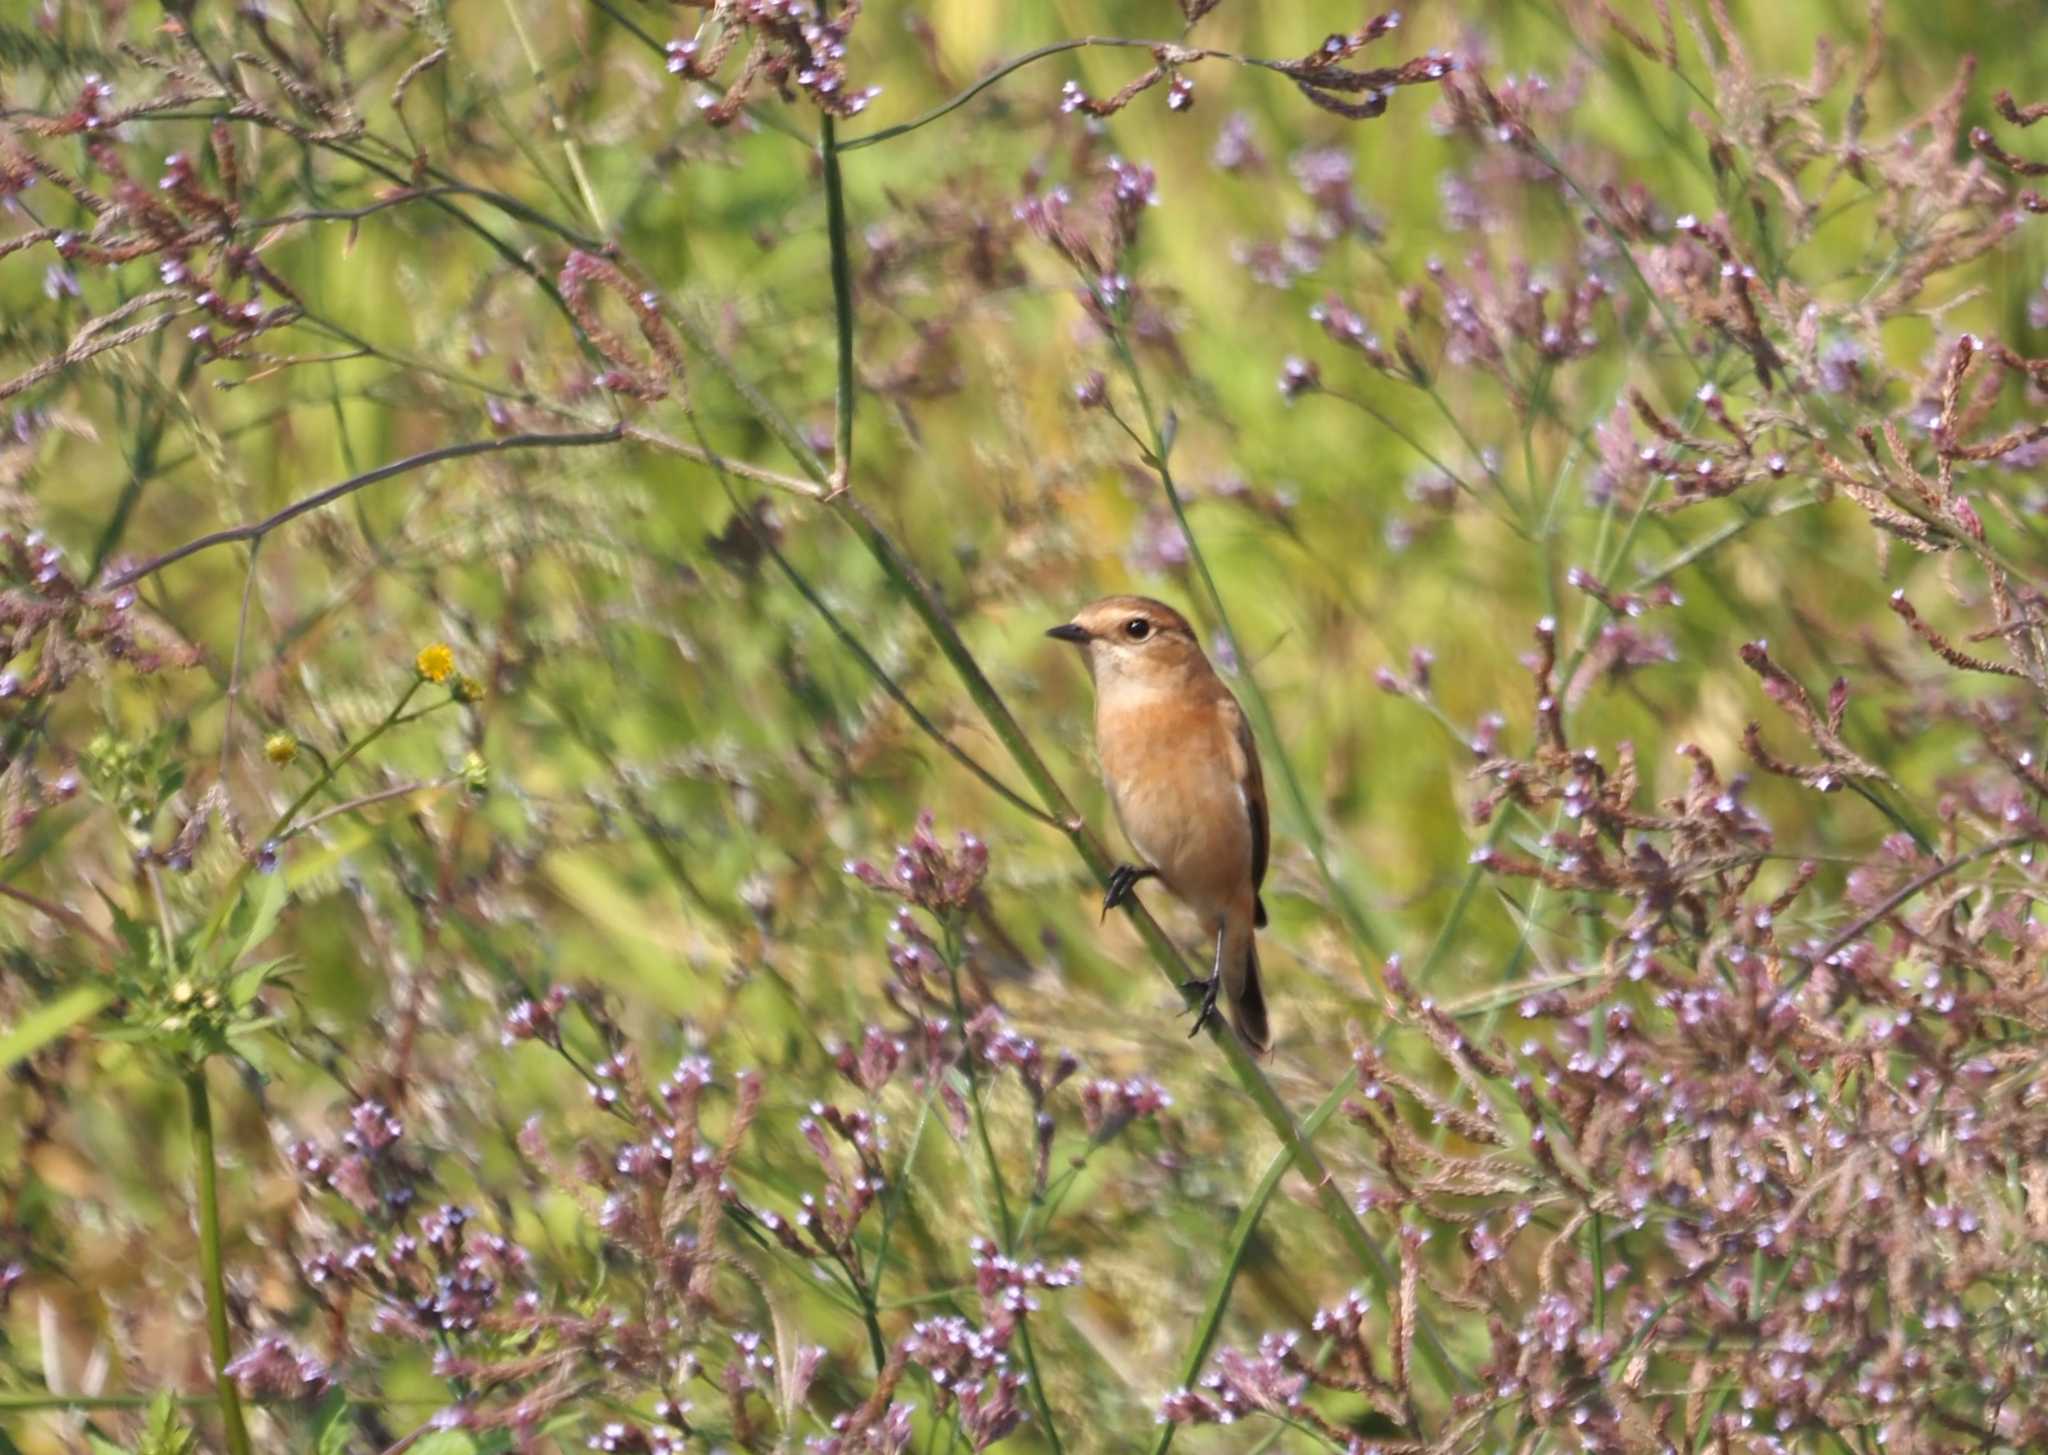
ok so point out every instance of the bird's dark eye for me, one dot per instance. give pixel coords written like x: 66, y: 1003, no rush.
x: 1137, y: 628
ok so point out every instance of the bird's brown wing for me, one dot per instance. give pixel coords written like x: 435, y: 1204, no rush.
x: 1251, y: 781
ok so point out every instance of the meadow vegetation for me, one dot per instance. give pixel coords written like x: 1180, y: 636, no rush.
x: 549, y: 877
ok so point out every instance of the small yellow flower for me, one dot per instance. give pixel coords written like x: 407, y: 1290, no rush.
x: 468, y: 689
x: 436, y: 662
x: 280, y: 748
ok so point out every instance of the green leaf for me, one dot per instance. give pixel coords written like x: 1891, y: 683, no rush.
x: 250, y: 979
x: 135, y: 934
x: 445, y: 1442
x: 50, y: 1020
x: 334, y: 1425
x: 261, y: 910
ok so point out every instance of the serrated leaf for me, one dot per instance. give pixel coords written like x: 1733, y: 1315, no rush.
x: 50, y: 1020
x: 166, y: 1433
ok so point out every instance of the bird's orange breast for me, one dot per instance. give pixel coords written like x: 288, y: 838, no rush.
x: 1167, y: 761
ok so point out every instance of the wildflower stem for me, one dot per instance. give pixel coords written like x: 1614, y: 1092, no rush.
x: 853, y: 644
x: 1673, y: 333
x: 1004, y: 1224
x: 234, y: 688
x: 341, y: 760
x: 925, y: 603
x: 571, y: 152
x: 1184, y: 55
x: 1596, y: 1245
x: 878, y: 1347
x: 1158, y: 450
x: 1234, y: 1256
x: 255, y: 530
x: 703, y: 452
x: 279, y: 829
x: 69, y: 918
x: 842, y: 304
x: 1472, y: 448
x: 210, y: 1274
x: 1407, y: 438
x: 382, y: 795
x: 889, y: 133
x: 892, y: 1200
x: 1896, y: 898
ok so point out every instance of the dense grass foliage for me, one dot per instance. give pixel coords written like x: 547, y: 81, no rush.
x: 551, y: 877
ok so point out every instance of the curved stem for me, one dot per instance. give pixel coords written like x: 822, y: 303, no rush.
x: 255, y: 530
x: 1017, y: 64
x: 210, y: 1275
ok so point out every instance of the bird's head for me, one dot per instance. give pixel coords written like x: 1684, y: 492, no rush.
x: 1134, y: 640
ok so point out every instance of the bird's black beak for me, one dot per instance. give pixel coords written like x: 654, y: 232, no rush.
x: 1066, y: 631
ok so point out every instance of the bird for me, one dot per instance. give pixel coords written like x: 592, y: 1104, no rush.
x: 1183, y: 776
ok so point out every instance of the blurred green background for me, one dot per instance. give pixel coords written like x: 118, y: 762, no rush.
x: 679, y: 755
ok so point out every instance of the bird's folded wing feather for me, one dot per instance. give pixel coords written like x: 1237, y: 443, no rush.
x: 1251, y: 786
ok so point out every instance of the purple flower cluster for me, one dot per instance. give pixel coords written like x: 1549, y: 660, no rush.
x: 926, y: 874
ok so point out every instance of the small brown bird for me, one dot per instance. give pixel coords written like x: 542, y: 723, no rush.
x: 1183, y: 776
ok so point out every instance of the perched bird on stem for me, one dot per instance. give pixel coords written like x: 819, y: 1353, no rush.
x: 1183, y: 776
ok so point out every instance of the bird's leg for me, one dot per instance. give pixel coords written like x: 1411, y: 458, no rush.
x: 1209, y: 989
x: 1122, y: 880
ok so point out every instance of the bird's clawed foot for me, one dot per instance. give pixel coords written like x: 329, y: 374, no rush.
x: 1122, y: 880
x: 1207, y: 1010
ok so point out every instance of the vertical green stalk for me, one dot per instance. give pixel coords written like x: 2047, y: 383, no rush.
x: 210, y: 1274
x: 924, y: 600
x: 842, y: 305
x: 1234, y: 1256
x: 1004, y: 1224
x: 1159, y: 445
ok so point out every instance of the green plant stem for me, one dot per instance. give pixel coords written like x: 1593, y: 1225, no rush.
x: 878, y: 1346
x: 1017, y: 63
x: 1159, y: 450
x: 210, y: 1275
x: 1005, y: 1225
x: 327, y: 773
x: 853, y: 644
x: 924, y: 602
x: 1408, y: 438
x: 892, y: 1202
x: 571, y: 152
x: 1249, y: 1077
x: 842, y: 304
x: 1234, y: 1256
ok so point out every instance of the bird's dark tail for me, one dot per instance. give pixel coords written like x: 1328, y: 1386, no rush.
x: 1246, y: 997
